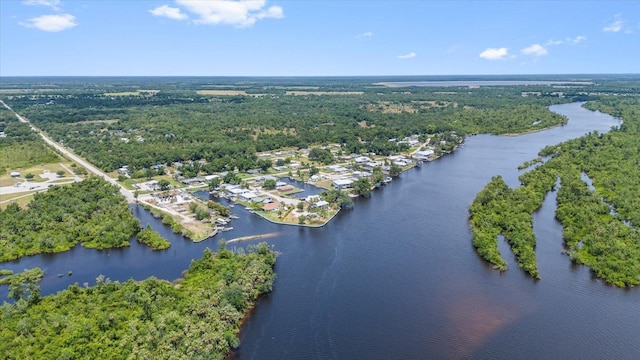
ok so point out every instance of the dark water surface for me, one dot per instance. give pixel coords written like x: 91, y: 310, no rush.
x: 398, y: 278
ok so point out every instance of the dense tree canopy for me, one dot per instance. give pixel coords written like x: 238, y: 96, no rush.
x: 91, y: 212
x: 226, y: 131
x: 600, y: 224
x: 198, y: 318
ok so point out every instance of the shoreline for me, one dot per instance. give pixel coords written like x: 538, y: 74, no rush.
x: 533, y: 131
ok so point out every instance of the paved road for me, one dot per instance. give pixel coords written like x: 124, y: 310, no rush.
x: 66, y: 152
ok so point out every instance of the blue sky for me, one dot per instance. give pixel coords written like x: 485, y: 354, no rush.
x: 317, y: 38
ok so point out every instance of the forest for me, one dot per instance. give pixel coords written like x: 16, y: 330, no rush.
x: 196, y: 317
x: 123, y: 125
x: 600, y: 223
x: 91, y: 212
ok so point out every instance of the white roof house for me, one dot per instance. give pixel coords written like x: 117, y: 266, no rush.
x: 342, y: 183
x: 424, y: 154
x: 237, y: 191
x: 362, y: 160
x: 248, y: 195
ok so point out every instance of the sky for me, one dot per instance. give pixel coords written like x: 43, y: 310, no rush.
x: 317, y: 38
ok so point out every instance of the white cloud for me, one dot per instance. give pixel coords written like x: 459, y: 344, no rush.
x: 51, y: 23
x: 615, y: 26
x: 50, y: 3
x: 367, y: 34
x: 494, y: 53
x: 554, y: 42
x: 577, y: 39
x: 169, y: 12
x: 535, y: 50
x: 232, y: 12
x: 410, y: 55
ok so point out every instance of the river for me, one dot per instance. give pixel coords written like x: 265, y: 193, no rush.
x: 396, y: 277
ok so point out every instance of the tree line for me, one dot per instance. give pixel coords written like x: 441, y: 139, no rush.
x: 600, y: 224
x: 198, y: 317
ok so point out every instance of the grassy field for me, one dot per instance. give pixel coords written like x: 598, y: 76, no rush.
x: 21, y: 199
x: 21, y: 155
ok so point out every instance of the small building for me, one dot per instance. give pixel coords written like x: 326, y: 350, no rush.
x: 247, y: 196
x: 285, y: 188
x: 237, y: 191
x: 342, y: 183
x: 191, y: 181
x: 423, y: 155
x: 268, y: 177
x: 321, y: 204
x: 336, y: 169
x: 271, y: 206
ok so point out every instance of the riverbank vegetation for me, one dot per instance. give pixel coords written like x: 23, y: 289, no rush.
x: 152, y: 239
x: 600, y: 224
x: 198, y: 317
x: 91, y: 212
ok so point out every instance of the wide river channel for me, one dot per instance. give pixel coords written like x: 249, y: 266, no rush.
x: 396, y: 277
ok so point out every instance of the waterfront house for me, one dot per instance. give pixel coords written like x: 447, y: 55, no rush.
x: 424, y: 155
x: 235, y: 191
x: 247, y: 196
x: 285, y: 188
x: 342, y: 183
x: 271, y: 206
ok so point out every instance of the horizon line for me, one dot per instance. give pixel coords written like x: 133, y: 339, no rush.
x: 308, y: 76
